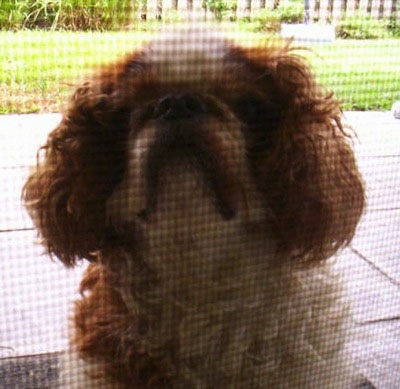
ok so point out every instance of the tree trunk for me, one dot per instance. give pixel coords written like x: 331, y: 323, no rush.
x: 344, y: 8
x: 143, y: 10
x: 317, y: 10
x: 159, y: 6
x: 369, y: 7
x: 381, y: 8
x: 330, y: 10
x: 247, y: 10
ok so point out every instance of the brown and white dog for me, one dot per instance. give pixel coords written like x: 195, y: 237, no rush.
x: 208, y: 185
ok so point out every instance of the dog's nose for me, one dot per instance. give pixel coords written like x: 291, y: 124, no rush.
x: 179, y: 106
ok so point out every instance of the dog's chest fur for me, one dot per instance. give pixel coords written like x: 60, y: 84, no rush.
x: 220, y: 290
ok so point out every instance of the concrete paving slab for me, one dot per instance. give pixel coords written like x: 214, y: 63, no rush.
x: 377, y: 353
x: 13, y: 214
x: 378, y: 133
x: 374, y: 297
x: 35, y: 295
x: 22, y: 135
x: 382, y: 178
x: 378, y: 240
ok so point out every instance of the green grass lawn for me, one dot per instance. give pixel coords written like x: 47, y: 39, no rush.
x: 364, y: 74
x: 38, y: 69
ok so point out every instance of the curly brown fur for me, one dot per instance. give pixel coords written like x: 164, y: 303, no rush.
x: 207, y: 184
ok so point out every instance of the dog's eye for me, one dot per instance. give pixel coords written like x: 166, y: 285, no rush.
x: 261, y: 117
x: 251, y: 110
x: 257, y: 112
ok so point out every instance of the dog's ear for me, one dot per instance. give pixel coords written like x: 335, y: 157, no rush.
x: 309, y: 177
x: 77, y: 169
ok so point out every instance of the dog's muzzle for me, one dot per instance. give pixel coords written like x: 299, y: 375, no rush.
x: 179, y: 106
x: 193, y: 132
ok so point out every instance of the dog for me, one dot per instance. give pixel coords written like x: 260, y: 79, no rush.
x: 210, y: 187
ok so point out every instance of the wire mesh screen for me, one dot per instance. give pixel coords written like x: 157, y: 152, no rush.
x: 187, y: 205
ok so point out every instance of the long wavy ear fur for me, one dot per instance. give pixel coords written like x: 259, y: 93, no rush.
x: 76, y: 170
x: 311, y: 183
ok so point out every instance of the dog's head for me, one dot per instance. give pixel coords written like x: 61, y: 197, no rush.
x: 193, y: 124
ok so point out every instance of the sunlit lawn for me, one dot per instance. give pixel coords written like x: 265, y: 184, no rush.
x: 38, y: 69
x: 364, y: 74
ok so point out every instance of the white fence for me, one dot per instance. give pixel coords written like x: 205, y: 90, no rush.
x: 320, y: 10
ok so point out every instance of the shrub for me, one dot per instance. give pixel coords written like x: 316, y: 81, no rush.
x: 292, y: 12
x: 65, y: 15
x: 267, y: 20
x: 95, y: 15
x: 222, y: 8
x: 394, y: 26
x: 362, y: 27
x: 12, y: 14
x: 271, y: 19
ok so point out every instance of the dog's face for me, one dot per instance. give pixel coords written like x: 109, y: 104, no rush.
x: 200, y: 111
x: 195, y: 126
